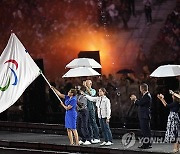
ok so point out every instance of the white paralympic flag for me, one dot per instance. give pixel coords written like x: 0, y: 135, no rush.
x: 17, y: 72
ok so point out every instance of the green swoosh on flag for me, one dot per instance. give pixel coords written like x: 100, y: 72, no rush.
x: 6, y: 86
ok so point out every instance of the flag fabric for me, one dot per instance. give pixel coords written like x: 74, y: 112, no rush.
x: 17, y: 72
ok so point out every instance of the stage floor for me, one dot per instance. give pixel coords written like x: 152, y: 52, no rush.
x: 61, y: 143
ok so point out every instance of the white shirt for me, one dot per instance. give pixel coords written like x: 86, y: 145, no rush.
x: 103, y: 106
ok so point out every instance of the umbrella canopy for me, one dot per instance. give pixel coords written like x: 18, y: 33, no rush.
x: 125, y: 71
x: 166, y: 71
x: 83, y: 62
x: 80, y: 71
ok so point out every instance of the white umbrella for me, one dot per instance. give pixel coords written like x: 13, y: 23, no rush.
x: 83, y: 62
x: 166, y: 71
x: 80, y: 71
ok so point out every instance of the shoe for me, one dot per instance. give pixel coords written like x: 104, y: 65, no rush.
x: 95, y: 141
x: 103, y: 143
x: 175, y: 150
x: 86, y: 143
x: 108, y: 143
x: 145, y: 146
x: 81, y: 142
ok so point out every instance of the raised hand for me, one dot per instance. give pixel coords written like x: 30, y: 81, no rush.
x: 160, y: 96
x: 171, y: 92
x: 133, y: 97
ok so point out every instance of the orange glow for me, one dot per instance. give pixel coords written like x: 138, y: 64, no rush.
x: 91, y: 40
x: 58, y: 37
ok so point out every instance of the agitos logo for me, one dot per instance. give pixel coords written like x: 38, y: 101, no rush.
x: 8, y: 81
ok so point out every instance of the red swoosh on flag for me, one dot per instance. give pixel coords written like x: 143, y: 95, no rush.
x: 12, y: 61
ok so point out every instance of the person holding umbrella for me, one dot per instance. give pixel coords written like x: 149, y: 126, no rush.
x: 71, y: 113
x: 93, y: 128
x: 173, y: 120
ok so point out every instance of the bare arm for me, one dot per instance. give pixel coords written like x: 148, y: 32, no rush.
x: 88, y: 90
x: 66, y: 107
x: 173, y: 93
x: 161, y: 97
x: 58, y: 92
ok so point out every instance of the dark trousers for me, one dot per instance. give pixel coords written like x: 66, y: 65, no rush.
x: 131, y: 5
x: 82, y: 125
x: 146, y: 130
x: 106, y: 131
x: 93, y: 128
x: 148, y: 11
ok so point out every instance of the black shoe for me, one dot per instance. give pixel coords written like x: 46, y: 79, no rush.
x: 145, y: 146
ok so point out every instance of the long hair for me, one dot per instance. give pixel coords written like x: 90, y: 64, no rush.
x: 104, y: 90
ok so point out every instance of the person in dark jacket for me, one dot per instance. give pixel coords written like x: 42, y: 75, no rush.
x: 82, y: 118
x: 144, y: 105
x: 173, y: 120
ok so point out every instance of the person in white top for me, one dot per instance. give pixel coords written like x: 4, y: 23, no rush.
x: 104, y: 114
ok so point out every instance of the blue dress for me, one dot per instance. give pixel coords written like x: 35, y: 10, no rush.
x: 71, y: 115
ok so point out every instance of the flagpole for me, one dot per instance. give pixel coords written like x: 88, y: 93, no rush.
x: 50, y: 86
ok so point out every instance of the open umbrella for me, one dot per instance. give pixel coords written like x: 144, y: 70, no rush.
x: 125, y: 71
x: 80, y: 71
x: 83, y: 62
x: 166, y: 71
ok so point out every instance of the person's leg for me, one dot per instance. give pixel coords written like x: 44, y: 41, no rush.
x: 175, y: 147
x: 70, y: 136
x: 93, y: 123
x: 150, y: 15
x: 125, y: 26
x: 133, y: 7
x: 76, y: 136
x: 146, y: 14
x: 79, y: 126
x: 85, y: 130
x: 176, y: 144
x: 91, y: 134
x: 107, y: 131
x: 102, y: 122
x: 147, y: 131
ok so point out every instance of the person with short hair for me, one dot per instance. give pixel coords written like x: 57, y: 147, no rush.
x: 82, y: 118
x: 69, y: 105
x: 93, y: 128
x: 144, y: 104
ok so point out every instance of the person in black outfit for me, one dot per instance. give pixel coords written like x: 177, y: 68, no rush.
x: 144, y: 114
x: 148, y: 11
x: 173, y: 120
x: 131, y: 5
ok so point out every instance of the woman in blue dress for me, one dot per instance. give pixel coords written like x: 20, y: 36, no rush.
x: 71, y: 114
